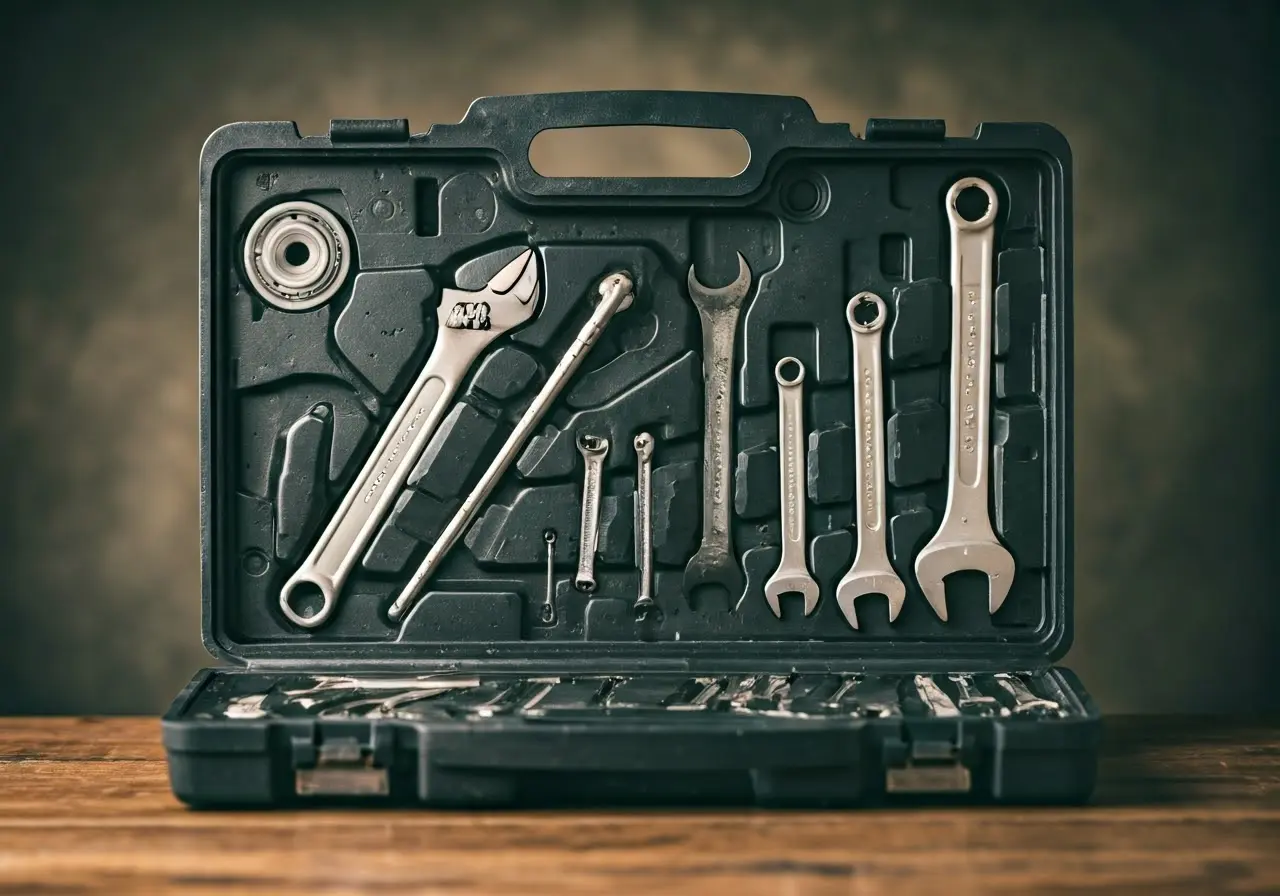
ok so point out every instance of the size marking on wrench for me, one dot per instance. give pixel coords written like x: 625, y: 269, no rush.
x: 718, y: 310
x: 593, y: 449
x: 871, y: 572
x: 644, y: 523
x: 792, y: 575
x: 509, y: 301
x: 616, y: 294
x: 964, y: 539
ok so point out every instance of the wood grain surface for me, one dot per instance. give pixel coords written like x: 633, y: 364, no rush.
x: 1184, y: 805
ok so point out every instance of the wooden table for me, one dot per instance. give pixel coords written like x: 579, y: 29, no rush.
x: 1184, y: 806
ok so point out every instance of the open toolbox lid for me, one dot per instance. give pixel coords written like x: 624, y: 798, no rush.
x: 294, y: 401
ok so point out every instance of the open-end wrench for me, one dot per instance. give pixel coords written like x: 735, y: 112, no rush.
x: 593, y: 449
x: 871, y: 572
x: 468, y: 323
x: 644, y: 523
x: 964, y: 539
x: 792, y: 575
x: 616, y: 294
x: 718, y: 310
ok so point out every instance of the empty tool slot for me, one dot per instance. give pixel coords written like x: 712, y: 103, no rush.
x: 426, y: 204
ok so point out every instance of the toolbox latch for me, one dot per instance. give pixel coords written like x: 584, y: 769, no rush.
x: 926, y: 766
x: 369, y: 130
x: 893, y: 129
x: 341, y: 766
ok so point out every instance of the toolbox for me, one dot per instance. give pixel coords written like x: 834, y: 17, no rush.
x: 534, y: 490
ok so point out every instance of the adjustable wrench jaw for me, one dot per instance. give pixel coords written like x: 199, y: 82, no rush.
x: 509, y: 300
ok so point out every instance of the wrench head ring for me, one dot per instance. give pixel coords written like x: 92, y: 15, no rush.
x: 593, y: 446
x: 781, y: 583
x: 855, y: 584
x: 939, y: 559
x: 723, y: 296
x: 789, y: 372
x: 643, y: 443
x: 866, y: 298
x: 301, y: 586
x: 959, y: 221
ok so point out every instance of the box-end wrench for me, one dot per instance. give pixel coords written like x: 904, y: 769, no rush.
x: 616, y: 294
x: 468, y: 322
x: 718, y: 309
x: 871, y: 572
x: 965, y: 540
x: 644, y: 524
x: 792, y: 575
x: 594, y: 449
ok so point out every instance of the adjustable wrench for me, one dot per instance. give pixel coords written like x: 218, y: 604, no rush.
x: 792, y: 575
x: 644, y: 523
x: 593, y: 449
x: 616, y: 294
x: 871, y: 572
x: 718, y: 310
x: 468, y: 323
x: 964, y: 539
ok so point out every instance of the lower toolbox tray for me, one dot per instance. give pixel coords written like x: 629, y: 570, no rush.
x: 238, y: 738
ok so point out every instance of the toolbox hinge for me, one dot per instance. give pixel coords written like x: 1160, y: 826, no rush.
x: 915, y: 129
x: 369, y: 130
x: 340, y: 766
x: 928, y: 762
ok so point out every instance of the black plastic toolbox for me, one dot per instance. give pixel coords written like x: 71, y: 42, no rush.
x: 332, y: 267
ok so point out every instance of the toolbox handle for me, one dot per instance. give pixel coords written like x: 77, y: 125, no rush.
x: 767, y: 123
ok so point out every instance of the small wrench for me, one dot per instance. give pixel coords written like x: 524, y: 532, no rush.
x: 548, y: 613
x: 964, y: 539
x: 593, y: 449
x: 644, y: 523
x: 792, y: 575
x: 1024, y: 699
x: 718, y: 310
x: 616, y: 294
x: 468, y: 322
x: 973, y: 702
x: 871, y: 572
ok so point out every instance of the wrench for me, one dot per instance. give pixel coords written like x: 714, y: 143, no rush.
x: 964, y: 539
x: 871, y: 572
x: 1025, y: 700
x: 616, y: 294
x: 548, y: 612
x: 593, y: 449
x: 644, y: 523
x: 718, y: 310
x: 792, y: 575
x: 468, y: 323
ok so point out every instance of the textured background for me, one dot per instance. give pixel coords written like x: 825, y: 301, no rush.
x: 1169, y: 109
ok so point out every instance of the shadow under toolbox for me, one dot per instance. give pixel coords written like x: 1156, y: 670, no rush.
x: 520, y: 489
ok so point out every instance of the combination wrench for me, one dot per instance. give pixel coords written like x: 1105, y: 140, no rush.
x: 616, y: 294
x: 644, y: 523
x: 792, y: 575
x: 593, y: 449
x: 718, y: 310
x: 965, y: 540
x: 468, y: 323
x: 871, y: 572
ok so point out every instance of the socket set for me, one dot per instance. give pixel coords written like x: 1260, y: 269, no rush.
x: 482, y: 430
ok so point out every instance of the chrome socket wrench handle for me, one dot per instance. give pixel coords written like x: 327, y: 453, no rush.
x: 616, y: 294
x: 594, y: 450
x: 965, y: 539
x: 792, y: 575
x: 468, y: 322
x: 644, y: 523
x: 871, y: 572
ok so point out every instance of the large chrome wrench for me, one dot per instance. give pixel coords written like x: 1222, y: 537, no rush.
x: 964, y: 539
x: 616, y: 294
x: 468, y: 323
x: 871, y: 572
x: 792, y: 575
x: 718, y: 310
